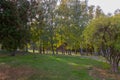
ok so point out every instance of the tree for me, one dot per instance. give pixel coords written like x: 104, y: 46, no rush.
x: 104, y: 35
x: 72, y: 18
x: 117, y: 11
x: 24, y: 14
x: 46, y: 24
x: 91, y: 12
x: 12, y: 30
x: 98, y: 12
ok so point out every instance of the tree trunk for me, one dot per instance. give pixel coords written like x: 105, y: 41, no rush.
x: 26, y: 48
x: 40, y: 50
x: 81, y: 49
x: 13, y: 53
x: 56, y: 51
x: 70, y: 52
x: 63, y: 51
x: 114, y: 67
x: 75, y: 51
x: 52, y: 48
x: 33, y: 48
x: 43, y: 50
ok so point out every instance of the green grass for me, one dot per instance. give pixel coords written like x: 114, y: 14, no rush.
x: 59, y: 67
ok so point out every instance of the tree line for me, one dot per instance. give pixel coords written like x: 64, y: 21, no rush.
x: 64, y: 26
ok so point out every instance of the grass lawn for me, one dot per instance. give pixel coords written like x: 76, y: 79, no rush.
x: 49, y: 67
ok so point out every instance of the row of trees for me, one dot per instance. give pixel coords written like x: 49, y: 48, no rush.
x: 61, y: 22
x: 65, y: 25
x: 45, y: 24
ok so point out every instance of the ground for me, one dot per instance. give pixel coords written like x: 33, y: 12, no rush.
x: 50, y: 67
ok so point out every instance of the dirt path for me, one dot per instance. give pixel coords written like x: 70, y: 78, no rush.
x: 103, y: 74
x: 14, y: 73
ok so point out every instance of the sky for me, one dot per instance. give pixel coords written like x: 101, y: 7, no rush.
x: 108, y: 6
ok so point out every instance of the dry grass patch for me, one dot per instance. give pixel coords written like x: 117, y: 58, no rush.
x: 15, y: 73
x: 103, y: 74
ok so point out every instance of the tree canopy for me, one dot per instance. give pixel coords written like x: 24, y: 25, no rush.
x: 104, y: 35
x: 13, y: 32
